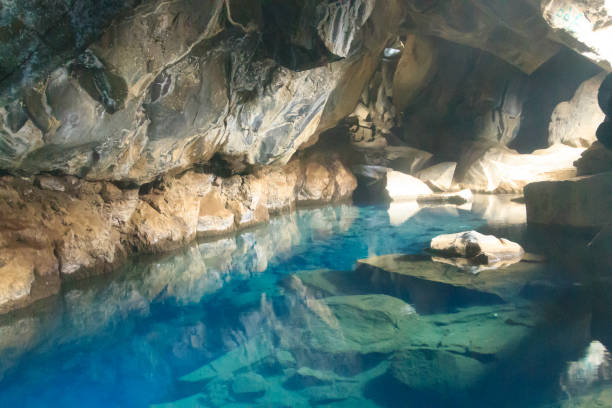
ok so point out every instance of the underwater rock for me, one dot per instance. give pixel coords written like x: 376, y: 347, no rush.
x: 476, y: 247
x: 506, y: 283
x: 249, y: 386
x: 436, y: 371
x: 577, y: 202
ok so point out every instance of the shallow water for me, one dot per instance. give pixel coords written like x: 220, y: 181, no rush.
x: 283, y: 315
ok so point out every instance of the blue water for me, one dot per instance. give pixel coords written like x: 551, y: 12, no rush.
x: 252, y: 320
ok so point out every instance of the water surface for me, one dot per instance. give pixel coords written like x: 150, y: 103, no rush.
x: 284, y: 316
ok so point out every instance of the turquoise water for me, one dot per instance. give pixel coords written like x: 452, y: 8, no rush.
x: 284, y: 316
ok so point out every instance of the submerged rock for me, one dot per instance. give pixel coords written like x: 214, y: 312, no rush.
x: 478, y: 248
x: 249, y: 386
x: 506, y: 283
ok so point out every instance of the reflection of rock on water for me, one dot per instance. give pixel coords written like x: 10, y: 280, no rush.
x: 594, y: 368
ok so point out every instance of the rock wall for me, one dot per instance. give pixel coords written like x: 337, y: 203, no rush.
x: 54, y: 228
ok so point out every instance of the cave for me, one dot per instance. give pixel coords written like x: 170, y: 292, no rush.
x: 298, y: 203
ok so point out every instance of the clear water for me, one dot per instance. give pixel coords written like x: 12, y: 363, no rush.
x: 282, y: 316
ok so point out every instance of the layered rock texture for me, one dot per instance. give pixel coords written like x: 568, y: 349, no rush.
x: 53, y: 228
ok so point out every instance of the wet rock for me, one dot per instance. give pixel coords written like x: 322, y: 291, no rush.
x: 575, y: 122
x: 249, y: 386
x: 480, y: 249
x: 578, y: 202
x: 507, y: 283
x: 90, y: 227
x: 436, y: 371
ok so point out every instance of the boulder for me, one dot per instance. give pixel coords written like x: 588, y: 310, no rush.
x: 480, y: 249
x: 575, y: 122
x: 249, y: 385
x: 596, y: 159
x: 486, y: 167
x: 402, y: 186
x: 439, y: 176
x: 577, y: 202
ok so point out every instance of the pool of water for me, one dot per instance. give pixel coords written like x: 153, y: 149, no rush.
x: 285, y: 315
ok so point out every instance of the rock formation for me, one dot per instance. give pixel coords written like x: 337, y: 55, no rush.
x: 138, y: 125
x: 57, y: 227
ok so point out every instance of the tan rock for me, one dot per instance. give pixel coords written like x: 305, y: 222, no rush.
x: 214, y: 218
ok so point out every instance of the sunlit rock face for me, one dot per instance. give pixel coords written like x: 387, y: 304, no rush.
x: 575, y: 122
x: 583, y: 25
x: 58, y: 227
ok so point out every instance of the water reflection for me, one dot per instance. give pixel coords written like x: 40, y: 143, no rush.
x: 282, y: 316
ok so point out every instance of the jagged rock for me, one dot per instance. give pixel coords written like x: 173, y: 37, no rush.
x: 89, y: 227
x: 402, y: 186
x: 575, y: 122
x: 577, y: 202
x: 440, y: 175
x: 596, y: 159
x: 480, y: 249
x: 341, y: 22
